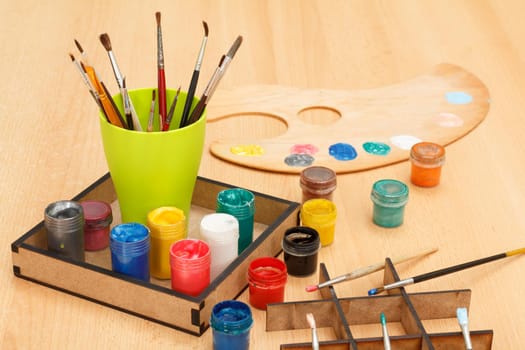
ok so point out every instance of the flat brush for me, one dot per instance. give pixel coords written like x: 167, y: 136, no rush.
x: 367, y: 270
x: 444, y: 271
x: 106, y: 42
x: 214, y: 81
x: 194, y: 78
x: 105, y: 99
x: 311, y: 322
x: 161, y: 78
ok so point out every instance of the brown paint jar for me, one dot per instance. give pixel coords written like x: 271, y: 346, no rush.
x: 318, y: 182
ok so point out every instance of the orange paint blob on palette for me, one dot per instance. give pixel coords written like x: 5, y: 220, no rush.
x: 380, y: 125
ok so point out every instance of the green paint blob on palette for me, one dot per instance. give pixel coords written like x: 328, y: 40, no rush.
x: 379, y: 124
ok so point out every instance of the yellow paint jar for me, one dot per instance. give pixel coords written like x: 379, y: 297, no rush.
x: 167, y: 225
x: 320, y: 214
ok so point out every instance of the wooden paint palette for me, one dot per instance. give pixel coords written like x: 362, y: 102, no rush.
x: 380, y: 125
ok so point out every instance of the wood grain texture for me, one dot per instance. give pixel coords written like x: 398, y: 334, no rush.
x: 50, y: 145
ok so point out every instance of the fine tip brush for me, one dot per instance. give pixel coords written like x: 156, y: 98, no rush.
x: 214, y: 81
x: 161, y: 78
x: 311, y: 322
x: 172, y: 110
x: 444, y: 271
x: 151, y: 112
x: 82, y: 52
x: 363, y: 271
x: 127, y: 103
x: 194, y: 78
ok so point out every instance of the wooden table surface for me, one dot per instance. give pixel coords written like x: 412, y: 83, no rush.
x: 51, y: 149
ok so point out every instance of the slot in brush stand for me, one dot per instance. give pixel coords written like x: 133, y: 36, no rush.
x: 410, y: 309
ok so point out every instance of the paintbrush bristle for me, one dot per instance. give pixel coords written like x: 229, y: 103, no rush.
x: 104, y: 39
x: 234, y: 47
x: 311, y: 320
x: 311, y: 288
x: 157, y: 17
x: 153, y: 95
x: 72, y: 57
x: 78, y: 46
x: 205, y: 28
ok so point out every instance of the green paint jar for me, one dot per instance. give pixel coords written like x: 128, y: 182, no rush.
x: 389, y: 198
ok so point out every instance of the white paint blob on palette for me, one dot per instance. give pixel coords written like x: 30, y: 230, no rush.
x: 357, y: 130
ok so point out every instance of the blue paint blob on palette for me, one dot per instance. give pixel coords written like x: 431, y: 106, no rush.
x: 342, y: 151
x: 458, y: 97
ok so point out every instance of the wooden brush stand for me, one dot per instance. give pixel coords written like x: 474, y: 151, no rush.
x: 409, y: 309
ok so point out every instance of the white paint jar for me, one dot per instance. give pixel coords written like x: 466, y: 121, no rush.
x: 221, y: 232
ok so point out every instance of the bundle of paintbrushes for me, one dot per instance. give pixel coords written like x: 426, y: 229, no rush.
x: 131, y: 120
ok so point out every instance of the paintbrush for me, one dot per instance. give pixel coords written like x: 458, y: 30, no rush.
x: 386, y: 337
x: 127, y: 107
x: 444, y: 271
x: 106, y: 42
x: 112, y: 113
x: 367, y: 270
x: 461, y: 313
x: 161, y: 78
x: 82, y: 52
x: 194, y: 78
x: 214, y: 81
x: 311, y: 322
x: 172, y: 110
x: 113, y: 105
x: 85, y: 79
x: 151, y: 112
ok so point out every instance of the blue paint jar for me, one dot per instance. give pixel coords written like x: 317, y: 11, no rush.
x: 130, y: 245
x: 389, y: 198
x: 241, y: 204
x: 231, y: 321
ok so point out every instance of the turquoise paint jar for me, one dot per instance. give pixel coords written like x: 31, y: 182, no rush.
x: 389, y: 198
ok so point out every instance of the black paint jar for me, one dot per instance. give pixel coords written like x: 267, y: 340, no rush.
x: 301, y: 245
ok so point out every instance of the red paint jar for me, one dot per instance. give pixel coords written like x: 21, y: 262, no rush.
x: 98, y: 218
x: 190, y: 261
x: 267, y: 279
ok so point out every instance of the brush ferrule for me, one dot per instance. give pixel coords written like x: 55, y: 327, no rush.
x: 399, y: 284
x: 201, y: 54
x: 160, y: 50
x: 116, y: 70
x: 332, y: 281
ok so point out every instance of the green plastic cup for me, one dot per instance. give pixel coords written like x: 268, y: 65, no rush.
x: 153, y: 169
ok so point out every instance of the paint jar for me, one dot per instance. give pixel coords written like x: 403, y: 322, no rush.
x: 389, y: 198
x: 300, y: 245
x: 318, y: 182
x: 129, y: 244
x: 98, y: 217
x: 241, y: 204
x: 190, y: 266
x: 231, y: 321
x: 266, y: 279
x: 167, y: 225
x: 320, y: 214
x: 426, y: 159
x: 221, y: 232
x: 64, y: 222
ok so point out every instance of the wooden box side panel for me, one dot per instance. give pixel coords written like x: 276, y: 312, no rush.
x: 107, y: 288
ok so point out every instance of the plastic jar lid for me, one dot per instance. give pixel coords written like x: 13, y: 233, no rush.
x: 130, y: 239
x: 167, y: 222
x: 389, y: 192
x: 428, y: 154
x: 301, y: 241
x: 231, y: 317
x: 97, y: 213
x: 319, y: 179
x: 219, y: 227
x: 267, y: 272
x: 189, y: 253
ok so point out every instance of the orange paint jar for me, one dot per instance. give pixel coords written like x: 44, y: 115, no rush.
x: 427, y: 159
